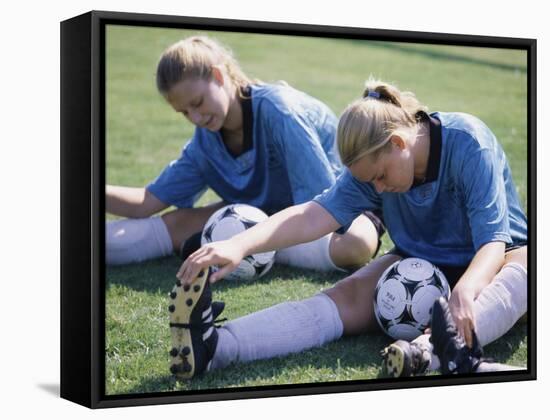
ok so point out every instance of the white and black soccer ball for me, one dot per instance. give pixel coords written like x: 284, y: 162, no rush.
x: 229, y: 221
x: 404, y: 297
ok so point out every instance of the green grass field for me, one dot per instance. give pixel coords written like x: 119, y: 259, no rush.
x: 144, y: 134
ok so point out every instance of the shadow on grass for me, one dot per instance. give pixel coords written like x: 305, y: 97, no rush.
x: 150, y: 276
x: 160, y: 274
x: 351, y: 358
x: 506, y: 346
x: 442, y: 55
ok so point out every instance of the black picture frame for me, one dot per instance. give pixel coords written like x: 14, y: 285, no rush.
x: 83, y: 203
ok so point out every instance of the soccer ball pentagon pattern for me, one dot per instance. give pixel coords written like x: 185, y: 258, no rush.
x: 404, y: 297
x: 229, y: 221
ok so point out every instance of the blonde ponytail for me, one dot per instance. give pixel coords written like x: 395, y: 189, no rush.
x: 366, y: 125
x: 194, y: 57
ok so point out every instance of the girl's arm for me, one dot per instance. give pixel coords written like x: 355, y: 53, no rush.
x: 486, y: 263
x: 131, y: 202
x: 478, y: 168
x: 298, y: 224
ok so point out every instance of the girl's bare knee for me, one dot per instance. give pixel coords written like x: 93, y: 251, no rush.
x: 518, y: 256
x: 357, y: 246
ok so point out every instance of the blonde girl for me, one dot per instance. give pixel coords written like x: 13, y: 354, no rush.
x: 267, y: 145
x: 446, y: 192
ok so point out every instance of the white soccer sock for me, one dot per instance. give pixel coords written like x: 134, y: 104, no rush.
x: 134, y: 240
x: 313, y: 255
x: 497, y: 308
x: 288, y: 327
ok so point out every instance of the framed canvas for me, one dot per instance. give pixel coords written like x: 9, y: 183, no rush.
x: 119, y: 131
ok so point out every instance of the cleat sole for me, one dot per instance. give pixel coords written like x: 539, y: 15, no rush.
x: 394, y: 361
x: 182, y: 364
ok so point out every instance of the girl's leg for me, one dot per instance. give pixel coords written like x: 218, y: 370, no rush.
x: 352, y: 249
x: 290, y: 327
x: 504, y: 301
x: 497, y: 308
x: 135, y: 240
x: 354, y: 296
x: 449, y: 345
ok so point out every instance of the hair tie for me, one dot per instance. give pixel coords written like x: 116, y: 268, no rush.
x: 373, y: 94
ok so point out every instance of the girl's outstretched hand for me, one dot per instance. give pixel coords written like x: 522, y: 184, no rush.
x: 225, y: 254
x: 461, y: 305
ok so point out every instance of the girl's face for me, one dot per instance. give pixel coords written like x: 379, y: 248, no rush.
x: 391, y: 171
x: 205, y: 103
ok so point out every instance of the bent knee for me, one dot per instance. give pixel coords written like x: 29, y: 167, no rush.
x: 518, y: 256
x: 361, y: 249
x: 352, y: 250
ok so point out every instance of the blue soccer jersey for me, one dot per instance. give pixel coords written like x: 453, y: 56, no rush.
x: 467, y: 200
x: 291, y: 158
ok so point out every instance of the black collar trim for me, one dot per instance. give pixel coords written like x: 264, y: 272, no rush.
x: 246, y: 102
x: 434, y: 159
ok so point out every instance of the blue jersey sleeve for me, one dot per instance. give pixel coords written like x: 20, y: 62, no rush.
x: 180, y: 184
x: 484, y: 193
x: 308, y: 167
x: 348, y: 198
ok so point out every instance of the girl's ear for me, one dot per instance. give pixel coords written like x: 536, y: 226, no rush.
x: 398, y: 141
x: 217, y: 74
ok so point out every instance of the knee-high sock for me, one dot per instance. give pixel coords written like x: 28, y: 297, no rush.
x: 134, y: 240
x: 313, y: 255
x: 497, y: 308
x: 285, y: 328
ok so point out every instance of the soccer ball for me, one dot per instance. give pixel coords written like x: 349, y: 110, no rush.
x: 229, y: 221
x: 404, y: 297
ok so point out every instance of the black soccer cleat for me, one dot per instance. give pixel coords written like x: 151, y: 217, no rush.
x: 189, y: 246
x: 402, y: 359
x: 217, y: 309
x: 455, y: 356
x: 194, y: 335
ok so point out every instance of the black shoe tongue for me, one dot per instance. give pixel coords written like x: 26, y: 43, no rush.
x: 217, y: 309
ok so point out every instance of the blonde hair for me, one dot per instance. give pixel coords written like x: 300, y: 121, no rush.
x: 194, y: 57
x: 366, y: 125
